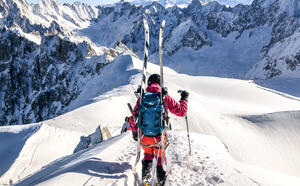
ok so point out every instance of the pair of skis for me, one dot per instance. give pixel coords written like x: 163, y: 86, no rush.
x: 143, y: 84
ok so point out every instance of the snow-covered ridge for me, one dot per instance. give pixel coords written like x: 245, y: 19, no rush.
x: 209, y: 165
x: 235, y: 112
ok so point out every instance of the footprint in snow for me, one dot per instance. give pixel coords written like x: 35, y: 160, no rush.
x: 214, y: 180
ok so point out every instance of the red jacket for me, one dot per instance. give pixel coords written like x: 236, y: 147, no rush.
x: 179, y: 109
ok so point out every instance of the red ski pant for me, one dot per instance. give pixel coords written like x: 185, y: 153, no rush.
x: 150, y: 152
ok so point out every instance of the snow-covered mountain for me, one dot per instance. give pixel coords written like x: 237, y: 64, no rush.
x: 234, y: 39
x: 44, y: 66
x: 183, y: 3
x: 260, y: 40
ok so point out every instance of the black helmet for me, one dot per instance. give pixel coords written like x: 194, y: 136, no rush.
x: 154, y: 78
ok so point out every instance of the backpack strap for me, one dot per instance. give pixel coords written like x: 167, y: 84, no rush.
x: 165, y: 117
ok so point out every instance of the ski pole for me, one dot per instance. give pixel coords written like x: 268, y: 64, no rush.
x: 188, y: 133
x: 187, y: 128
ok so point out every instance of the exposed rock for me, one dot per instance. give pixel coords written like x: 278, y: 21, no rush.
x: 37, y: 81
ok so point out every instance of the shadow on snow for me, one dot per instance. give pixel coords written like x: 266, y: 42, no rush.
x: 11, y: 144
x: 93, y: 167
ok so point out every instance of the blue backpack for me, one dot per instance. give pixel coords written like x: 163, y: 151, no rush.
x: 150, y: 114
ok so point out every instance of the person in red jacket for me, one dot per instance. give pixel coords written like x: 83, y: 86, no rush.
x: 179, y: 109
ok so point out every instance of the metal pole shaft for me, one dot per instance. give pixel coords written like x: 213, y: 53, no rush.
x: 188, y: 134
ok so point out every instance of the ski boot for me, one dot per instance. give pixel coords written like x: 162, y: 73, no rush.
x: 146, y: 172
x: 161, y: 176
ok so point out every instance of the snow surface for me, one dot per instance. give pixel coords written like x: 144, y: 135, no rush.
x: 252, y: 135
x: 288, y: 86
x: 29, y: 147
x: 210, y: 164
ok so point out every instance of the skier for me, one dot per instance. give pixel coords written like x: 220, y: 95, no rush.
x: 151, y: 144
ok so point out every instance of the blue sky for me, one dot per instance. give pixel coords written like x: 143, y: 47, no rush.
x: 92, y: 2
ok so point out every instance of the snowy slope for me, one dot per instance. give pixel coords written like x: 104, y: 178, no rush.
x: 29, y: 147
x: 258, y: 126
x: 210, y: 164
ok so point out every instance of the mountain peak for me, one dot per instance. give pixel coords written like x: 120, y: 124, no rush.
x: 50, y: 3
x: 195, y: 6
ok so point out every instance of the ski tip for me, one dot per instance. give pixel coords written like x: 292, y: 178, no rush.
x: 145, y: 22
x: 163, y: 23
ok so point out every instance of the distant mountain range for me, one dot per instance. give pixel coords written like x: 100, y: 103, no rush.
x: 184, y: 3
x: 48, y: 51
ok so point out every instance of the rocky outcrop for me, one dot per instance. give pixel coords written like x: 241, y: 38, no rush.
x: 38, y: 81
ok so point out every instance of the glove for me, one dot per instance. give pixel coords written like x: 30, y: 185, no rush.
x: 138, y: 90
x: 165, y: 91
x: 185, y: 95
x: 135, y: 136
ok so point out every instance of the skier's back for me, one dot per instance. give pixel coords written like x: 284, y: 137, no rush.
x: 151, y: 130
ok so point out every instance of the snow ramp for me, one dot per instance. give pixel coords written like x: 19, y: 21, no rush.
x: 25, y: 149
